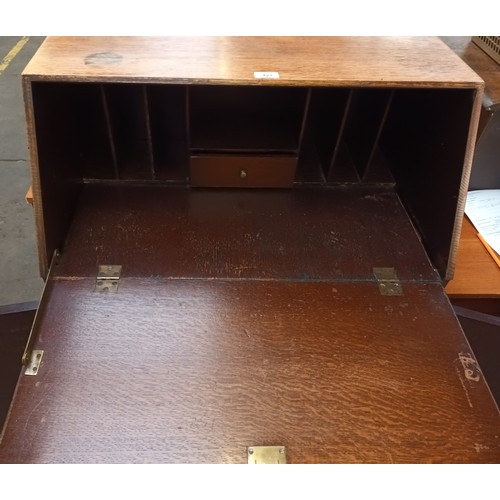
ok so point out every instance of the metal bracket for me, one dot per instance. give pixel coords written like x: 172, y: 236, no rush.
x: 28, y: 350
x: 266, y: 455
x: 34, y: 362
x: 107, y: 279
x: 388, y: 281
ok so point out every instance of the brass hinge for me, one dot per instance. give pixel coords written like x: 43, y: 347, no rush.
x: 31, y: 357
x: 34, y: 362
x: 108, y: 277
x: 388, y: 281
x: 266, y: 455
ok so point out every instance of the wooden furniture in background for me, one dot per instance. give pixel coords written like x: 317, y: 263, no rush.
x: 476, y: 283
x: 476, y: 274
x: 307, y: 312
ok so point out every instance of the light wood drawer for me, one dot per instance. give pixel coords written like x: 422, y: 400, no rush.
x: 243, y: 171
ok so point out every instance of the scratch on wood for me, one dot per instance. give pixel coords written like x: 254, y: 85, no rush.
x: 32, y: 412
x: 470, y: 366
x: 464, y: 386
x: 103, y: 59
x: 480, y: 447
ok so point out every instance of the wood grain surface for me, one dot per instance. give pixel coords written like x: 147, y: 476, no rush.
x: 233, y: 170
x: 247, y: 317
x: 80, y: 141
x: 301, y: 234
x: 197, y: 370
x: 331, y: 61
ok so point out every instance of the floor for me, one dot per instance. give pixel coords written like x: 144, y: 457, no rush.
x: 19, y: 276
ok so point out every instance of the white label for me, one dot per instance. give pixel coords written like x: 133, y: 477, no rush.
x: 266, y: 74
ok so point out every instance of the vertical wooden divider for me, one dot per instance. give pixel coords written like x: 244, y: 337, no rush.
x: 148, y: 132
x: 305, y: 116
x: 334, y: 162
x: 188, y: 128
x: 377, y: 136
x: 364, y: 120
x: 109, y: 128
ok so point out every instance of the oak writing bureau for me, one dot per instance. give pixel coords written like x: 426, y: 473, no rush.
x: 244, y: 242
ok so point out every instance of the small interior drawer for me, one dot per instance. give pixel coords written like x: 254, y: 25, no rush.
x: 243, y: 171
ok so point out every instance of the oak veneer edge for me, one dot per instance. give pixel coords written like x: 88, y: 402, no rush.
x: 35, y: 176
x: 464, y: 185
x: 282, y: 82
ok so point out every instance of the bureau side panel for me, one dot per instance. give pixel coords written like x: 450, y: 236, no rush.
x: 55, y: 132
x: 43, y: 257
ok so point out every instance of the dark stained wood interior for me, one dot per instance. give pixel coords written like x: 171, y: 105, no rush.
x: 368, y: 110
x: 246, y: 119
x: 169, y: 131
x: 414, y: 139
x: 425, y: 155
x: 130, y: 134
x: 328, y: 113
x: 300, y: 234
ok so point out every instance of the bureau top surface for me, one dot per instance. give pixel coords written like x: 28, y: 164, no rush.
x: 331, y: 61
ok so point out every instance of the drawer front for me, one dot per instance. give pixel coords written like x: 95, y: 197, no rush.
x: 243, y: 171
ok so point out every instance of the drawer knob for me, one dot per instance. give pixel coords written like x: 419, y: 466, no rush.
x: 243, y: 174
